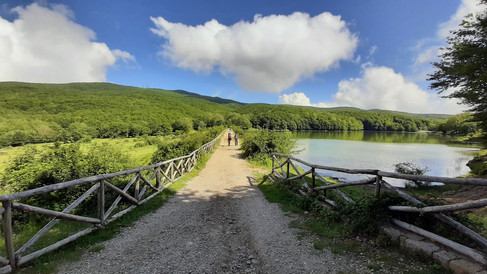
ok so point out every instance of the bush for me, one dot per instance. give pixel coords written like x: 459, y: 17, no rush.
x: 258, y: 145
x: 36, y: 168
x: 412, y: 169
x: 366, y: 215
x: 187, y: 143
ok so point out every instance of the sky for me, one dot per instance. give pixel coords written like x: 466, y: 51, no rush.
x: 370, y: 54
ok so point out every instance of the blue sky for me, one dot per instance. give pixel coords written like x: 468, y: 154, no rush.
x: 366, y: 54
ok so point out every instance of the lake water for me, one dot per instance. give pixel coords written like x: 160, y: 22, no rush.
x: 382, y: 150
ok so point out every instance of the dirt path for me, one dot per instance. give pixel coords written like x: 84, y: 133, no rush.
x: 219, y: 223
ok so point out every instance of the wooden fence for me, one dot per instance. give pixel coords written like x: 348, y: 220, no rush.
x: 282, y: 165
x: 164, y: 173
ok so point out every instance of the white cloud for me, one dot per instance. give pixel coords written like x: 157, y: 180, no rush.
x: 428, y: 49
x: 124, y: 56
x: 372, y: 50
x: 382, y: 88
x: 465, y: 8
x: 44, y: 45
x: 270, y: 54
x: 300, y: 99
x: 297, y: 98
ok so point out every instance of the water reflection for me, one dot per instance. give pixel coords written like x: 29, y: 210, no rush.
x: 382, y: 150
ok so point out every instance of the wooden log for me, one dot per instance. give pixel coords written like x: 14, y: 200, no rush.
x: 179, y: 169
x: 172, y: 171
x: 142, y: 193
x: 168, y: 169
x: 337, y: 191
x: 159, y: 182
x: 297, y: 171
x: 52, y: 213
x: 137, y: 188
x: 55, y: 246
x: 445, y: 219
x: 300, y: 175
x: 121, y: 213
x: 6, y: 269
x: 153, y: 175
x: 313, y: 178
x: 273, y: 159
x: 121, y: 192
x: 8, y: 233
x: 101, y: 202
x: 467, y: 251
x: 445, y: 180
x: 443, y: 208
x: 119, y: 197
x: 288, y: 167
x: 355, y: 183
x: 4, y: 261
x: 54, y: 221
x: 148, y: 183
x: 378, y: 180
x: 280, y: 166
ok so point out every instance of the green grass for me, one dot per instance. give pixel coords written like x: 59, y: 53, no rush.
x: 335, y: 231
x: 91, y: 242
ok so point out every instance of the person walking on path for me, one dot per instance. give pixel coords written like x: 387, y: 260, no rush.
x: 229, y: 138
x: 236, y: 139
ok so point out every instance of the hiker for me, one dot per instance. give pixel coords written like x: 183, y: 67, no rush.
x: 229, y: 138
x: 236, y: 139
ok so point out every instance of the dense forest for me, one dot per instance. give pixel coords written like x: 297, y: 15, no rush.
x: 37, y: 113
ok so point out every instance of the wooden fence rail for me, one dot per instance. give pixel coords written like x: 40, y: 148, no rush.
x: 281, y: 165
x: 164, y: 173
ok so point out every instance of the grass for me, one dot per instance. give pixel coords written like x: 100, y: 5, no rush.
x: 91, y: 242
x: 335, y: 232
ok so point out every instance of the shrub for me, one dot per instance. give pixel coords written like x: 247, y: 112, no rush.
x: 186, y: 144
x: 412, y: 169
x: 59, y: 163
x: 258, y: 145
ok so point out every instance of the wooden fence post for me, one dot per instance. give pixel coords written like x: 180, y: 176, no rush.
x: 313, y: 178
x: 101, y: 202
x: 7, y: 230
x: 287, y: 173
x: 137, y: 188
x: 158, y: 178
x: 272, y: 163
x: 378, y: 181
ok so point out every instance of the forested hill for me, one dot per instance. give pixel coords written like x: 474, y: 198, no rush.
x: 34, y: 113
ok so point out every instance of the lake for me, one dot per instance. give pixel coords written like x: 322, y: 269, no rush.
x: 382, y: 150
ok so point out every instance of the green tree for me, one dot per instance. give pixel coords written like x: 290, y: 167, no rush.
x: 463, y: 65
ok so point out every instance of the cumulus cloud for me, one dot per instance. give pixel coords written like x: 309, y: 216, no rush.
x: 465, y: 8
x: 382, y: 88
x: 269, y: 54
x: 297, y: 98
x: 44, y: 44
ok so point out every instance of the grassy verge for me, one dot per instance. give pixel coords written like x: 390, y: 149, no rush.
x: 347, y: 231
x: 92, y: 242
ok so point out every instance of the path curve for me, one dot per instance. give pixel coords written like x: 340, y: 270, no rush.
x: 219, y: 223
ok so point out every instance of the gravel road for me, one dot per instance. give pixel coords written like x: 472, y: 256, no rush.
x: 219, y: 223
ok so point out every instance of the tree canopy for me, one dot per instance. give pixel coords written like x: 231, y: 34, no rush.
x: 462, y: 70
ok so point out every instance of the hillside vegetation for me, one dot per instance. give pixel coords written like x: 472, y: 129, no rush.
x: 39, y: 113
